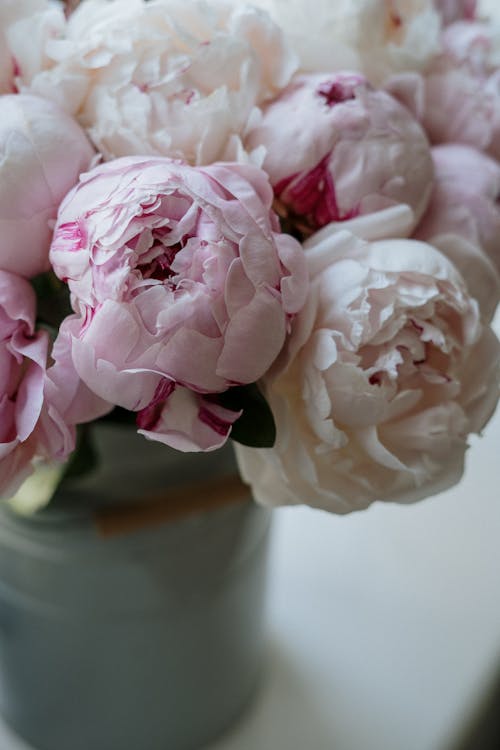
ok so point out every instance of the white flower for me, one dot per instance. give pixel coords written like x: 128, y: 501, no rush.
x: 42, y: 154
x: 401, y: 35
x: 376, y: 37
x: 387, y: 371
x: 167, y: 77
x: 26, y: 30
x: 456, y: 10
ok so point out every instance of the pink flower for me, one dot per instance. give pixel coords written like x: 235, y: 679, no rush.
x: 463, y: 218
x: 23, y: 356
x: 183, y: 285
x: 68, y: 402
x: 458, y: 99
x: 386, y: 372
x: 42, y: 152
x: 39, y: 408
x: 335, y: 149
x: 455, y: 10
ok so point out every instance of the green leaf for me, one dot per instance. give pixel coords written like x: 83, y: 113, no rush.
x: 255, y: 428
x: 53, y: 300
x: 120, y: 416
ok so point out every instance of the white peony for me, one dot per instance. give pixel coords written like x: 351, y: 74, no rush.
x: 42, y: 154
x: 26, y: 30
x: 376, y: 37
x: 167, y: 77
x: 386, y: 372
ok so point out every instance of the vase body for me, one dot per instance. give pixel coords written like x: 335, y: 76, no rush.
x: 149, y: 639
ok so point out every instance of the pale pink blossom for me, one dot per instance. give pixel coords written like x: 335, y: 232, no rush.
x: 463, y: 218
x: 43, y: 152
x: 456, y: 10
x: 458, y: 98
x: 39, y: 407
x: 23, y: 357
x: 386, y: 372
x: 475, y: 44
x: 27, y: 28
x: 166, y: 77
x: 184, y: 287
x: 465, y: 197
x: 336, y: 148
x: 68, y: 402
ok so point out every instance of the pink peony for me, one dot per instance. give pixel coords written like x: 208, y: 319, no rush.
x: 458, y: 99
x: 456, y: 10
x: 386, y: 372
x: 335, y: 149
x: 463, y: 218
x: 68, y: 402
x: 39, y: 408
x: 183, y: 287
x: 23, y: 356
x: 42, y: 152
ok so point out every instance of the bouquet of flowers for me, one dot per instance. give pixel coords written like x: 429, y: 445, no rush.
x: 212, y: 228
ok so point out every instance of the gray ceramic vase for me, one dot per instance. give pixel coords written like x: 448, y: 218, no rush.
x: 147, y: 638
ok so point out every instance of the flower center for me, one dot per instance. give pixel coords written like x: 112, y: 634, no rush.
x: 309, y: 199
x: 336, y: 92
x: 159, y: 267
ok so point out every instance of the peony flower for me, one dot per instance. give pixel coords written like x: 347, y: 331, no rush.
x: 376, y: 37
x: 68, y: 402
x: 395, y: 36
x: 456, y: 10
x: 458, y: 99
x: 42, y: 152
x: 26, y: 30
x: 463, y: 218
x: 182, y: 287
x: 386, y: 372
x: 335, y: 148
x: 39, y: 408
x: 23, y: 356
x: 166, y: 77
